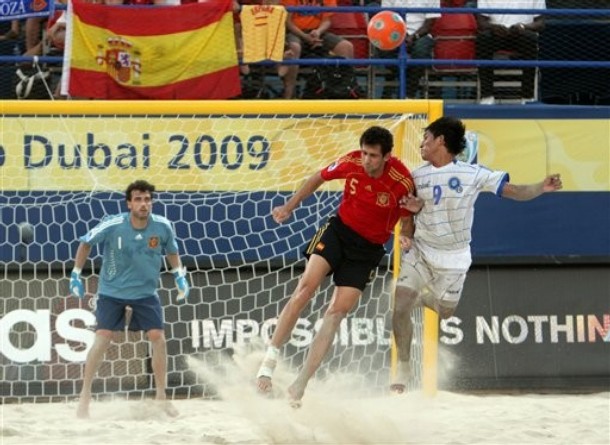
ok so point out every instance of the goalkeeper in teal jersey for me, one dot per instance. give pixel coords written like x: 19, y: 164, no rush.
x: 133, y: 246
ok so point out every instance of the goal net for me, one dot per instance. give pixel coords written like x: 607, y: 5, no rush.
x: 219, y: 169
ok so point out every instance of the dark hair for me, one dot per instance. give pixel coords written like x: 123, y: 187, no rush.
x: 140, y: 185
x: 453, y: 130
x: 378, y: 136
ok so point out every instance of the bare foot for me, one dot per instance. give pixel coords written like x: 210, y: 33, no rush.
x: 295, y: 394
x: 168, y: 408
x: 397, y: 388
x: 264, y: 385
x: 82, y: 412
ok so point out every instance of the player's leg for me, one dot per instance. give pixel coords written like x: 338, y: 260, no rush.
x: 445, y: 291
x: 414, y: 274
x: 344, y: 299
x: 324, y: 254
x: 159, y: 367
x: 110, y: 317
x: 147, y: 315
x: 405, y: 300
x: 315, y: 271
x: 356, y: 268
x: 94, y: 359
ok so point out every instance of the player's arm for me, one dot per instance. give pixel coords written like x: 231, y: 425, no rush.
x: 179, y: 272
x: 283, y: 212
x: 407, y: 230
x: 530, y: 191
x: 76, y: 283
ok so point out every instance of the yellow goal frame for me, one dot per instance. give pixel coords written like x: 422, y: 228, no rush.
x: 433, y: 109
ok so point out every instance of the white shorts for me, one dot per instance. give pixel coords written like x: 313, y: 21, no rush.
x: 444, y: 284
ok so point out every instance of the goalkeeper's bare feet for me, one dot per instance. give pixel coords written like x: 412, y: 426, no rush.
x: 82, y: 411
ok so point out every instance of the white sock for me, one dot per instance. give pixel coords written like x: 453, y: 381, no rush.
x: 269, y: 362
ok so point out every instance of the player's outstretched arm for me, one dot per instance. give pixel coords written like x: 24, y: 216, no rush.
x: 283, y: 212
x: 530, y: 191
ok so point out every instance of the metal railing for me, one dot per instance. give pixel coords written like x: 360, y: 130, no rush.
x: 402, y: 62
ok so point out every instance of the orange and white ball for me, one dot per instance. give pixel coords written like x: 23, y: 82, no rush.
x: 386, y: 30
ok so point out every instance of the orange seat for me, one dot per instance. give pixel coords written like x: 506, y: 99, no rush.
x: 454, y: 38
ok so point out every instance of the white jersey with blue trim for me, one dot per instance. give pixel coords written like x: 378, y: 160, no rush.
x: 132, y: 258
x: 443, y: 227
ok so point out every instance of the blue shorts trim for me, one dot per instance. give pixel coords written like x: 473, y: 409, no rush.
x: 147, y: 313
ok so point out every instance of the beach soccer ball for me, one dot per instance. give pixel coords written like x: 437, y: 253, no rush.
x: 386, y: 30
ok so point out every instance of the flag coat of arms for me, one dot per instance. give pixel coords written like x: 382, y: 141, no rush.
x: 153, y: 52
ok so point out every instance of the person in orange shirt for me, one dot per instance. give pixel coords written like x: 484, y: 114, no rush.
x: 307, y: 33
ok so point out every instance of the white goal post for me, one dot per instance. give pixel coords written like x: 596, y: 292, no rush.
x: 219, y: 167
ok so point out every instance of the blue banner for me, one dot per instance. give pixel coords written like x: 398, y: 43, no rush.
x: 17, y: 9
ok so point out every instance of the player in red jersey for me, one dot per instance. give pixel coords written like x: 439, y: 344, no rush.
x: 349, y: 246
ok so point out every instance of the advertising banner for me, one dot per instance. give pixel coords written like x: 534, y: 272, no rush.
x: 534, y: 327
x: 18, y: 9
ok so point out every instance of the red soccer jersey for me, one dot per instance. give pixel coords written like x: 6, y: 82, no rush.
x: 370, y: 205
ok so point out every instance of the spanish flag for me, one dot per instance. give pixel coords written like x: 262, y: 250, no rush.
x: 154, y: 52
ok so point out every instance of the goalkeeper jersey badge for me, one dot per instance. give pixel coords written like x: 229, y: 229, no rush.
x: 153, y: 242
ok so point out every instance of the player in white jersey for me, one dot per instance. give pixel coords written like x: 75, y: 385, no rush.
x: 133, y: 247
x: 433, y: 270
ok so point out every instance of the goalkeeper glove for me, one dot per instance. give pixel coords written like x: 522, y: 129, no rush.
x: 76, y: 284
x: 181, y: 283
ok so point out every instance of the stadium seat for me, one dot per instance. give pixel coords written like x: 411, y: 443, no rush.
x: 507, y: 80
x: 352, y: 26
x: 454, y: 38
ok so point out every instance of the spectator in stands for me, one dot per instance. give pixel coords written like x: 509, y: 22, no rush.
x: 419, y: 43
x: 37, y: 80
x: 10, y: 45
x: 9, y: 30
x: 253, y: 76
x: 33, y: 32
x: 307, y: 35
x: 516, y: 33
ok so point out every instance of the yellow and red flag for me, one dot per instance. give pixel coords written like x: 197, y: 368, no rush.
x: 154, y: 52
